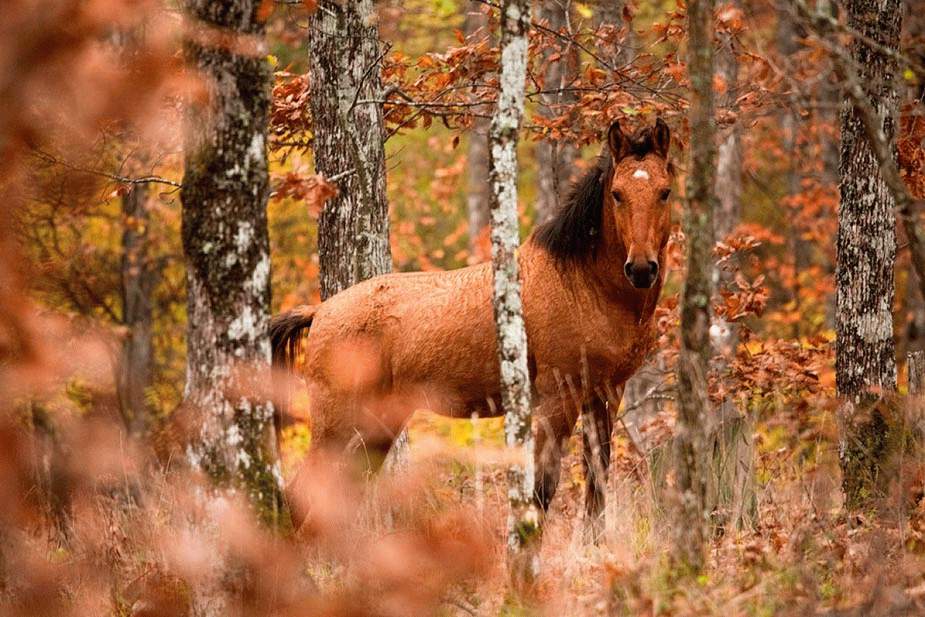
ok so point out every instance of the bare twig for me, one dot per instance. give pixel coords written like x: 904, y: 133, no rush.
x: 48, y: 158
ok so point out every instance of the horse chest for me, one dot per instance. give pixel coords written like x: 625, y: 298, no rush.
x: 603, y: 348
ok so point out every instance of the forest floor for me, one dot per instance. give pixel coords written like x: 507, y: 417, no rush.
x: 429, y: 540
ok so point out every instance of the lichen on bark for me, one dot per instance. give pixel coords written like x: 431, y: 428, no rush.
x: 523, y: 521
x: 353, y: 228
x: 226, y: 244
x: 865, y: 361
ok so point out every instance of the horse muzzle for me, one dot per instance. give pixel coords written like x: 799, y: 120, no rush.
x: 641, y: 273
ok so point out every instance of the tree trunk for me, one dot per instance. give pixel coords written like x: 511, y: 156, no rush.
x: 691, y: 473
x: 478, y: 185
x: 729, y: 156
x: 865, y: 362
x: 732, y: 500
x: 349, y: 137
x: 787, y: 36
x: 225, y: 241
x: 728, y: 182
x: 134, y: 371
x: 523, y: 522
x: 554, y: 157
x: 353, y: 229
x: 138, y: 280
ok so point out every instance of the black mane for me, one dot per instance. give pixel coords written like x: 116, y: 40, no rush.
x: 573, y: 234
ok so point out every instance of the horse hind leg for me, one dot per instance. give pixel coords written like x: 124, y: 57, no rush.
x: 368, y: 453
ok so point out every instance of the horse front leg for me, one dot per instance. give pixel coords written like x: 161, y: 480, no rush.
x: 597, y: 428
x: 553, y: 427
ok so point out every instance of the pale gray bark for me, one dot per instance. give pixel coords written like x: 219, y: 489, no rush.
x: 353, y: 229
x: 647, y: 378
x: 555, y: 157
x: 728, y: 180
x: 865, y: 362
x: 916, y: 363
x: 225, y: 241
x: 691, y: 471
x: 478, y: 185
x: 523, y: 522
x: 138, y: 280
x: 787, y: 45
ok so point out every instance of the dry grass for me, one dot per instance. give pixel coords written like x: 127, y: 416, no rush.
x: 429, y: 542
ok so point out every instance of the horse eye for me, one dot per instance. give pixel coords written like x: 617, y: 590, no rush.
x: 617, y: 196
x: 666, y: 193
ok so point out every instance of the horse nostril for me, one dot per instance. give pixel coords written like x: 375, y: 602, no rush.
x: 628, y: 269
x: 653, y: 267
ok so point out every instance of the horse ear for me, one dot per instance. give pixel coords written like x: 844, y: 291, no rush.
x: 661, y: 138
x: 618, y: 142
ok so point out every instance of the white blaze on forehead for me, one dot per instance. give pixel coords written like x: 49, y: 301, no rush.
x: 642, y: 174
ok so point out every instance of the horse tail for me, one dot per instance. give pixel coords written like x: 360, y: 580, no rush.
x: 286, y: 334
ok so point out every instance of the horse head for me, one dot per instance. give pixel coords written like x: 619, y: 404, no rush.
x: 637, y: 199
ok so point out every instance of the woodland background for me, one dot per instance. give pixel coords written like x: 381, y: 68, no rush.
x: 94, y: 326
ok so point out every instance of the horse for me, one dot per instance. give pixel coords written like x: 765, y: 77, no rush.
x: 590, y: 278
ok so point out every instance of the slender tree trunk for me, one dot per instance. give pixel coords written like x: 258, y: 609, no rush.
x: 555, y: 157
x: 731, y: 454
x: 865, y: 362
x: 478, y: 194
x: 478, y: 185
x: 787, y: 44
x: 224, y: 194
x: 728, y: 181
x: 691, y: 473
x: 50, y: 469
x: 729, y: 154
x: 523, y: 522
x: 610, y: 13
x: 138, y: 280
x: 353, y: 230
x: 134, y: 372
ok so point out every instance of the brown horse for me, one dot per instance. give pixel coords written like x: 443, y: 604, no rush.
x: 591, y: 278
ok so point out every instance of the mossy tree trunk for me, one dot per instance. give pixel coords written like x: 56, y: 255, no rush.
x: 692, y: 472
x: 225, y: 241
x: 865, y: 362
x: 523, y: 521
